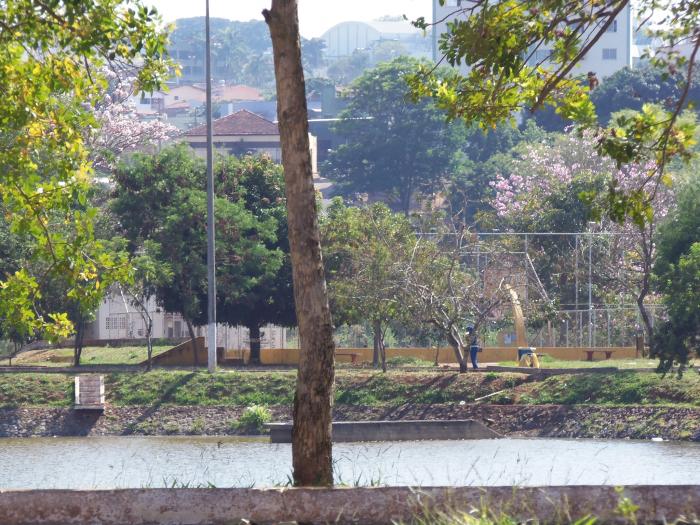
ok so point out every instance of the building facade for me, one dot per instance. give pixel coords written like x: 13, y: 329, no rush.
x: 615, y: 50
x: 117, y: 318
x: 241, y: 133
x: 346, y: 37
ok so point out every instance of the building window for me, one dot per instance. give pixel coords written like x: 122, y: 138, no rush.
x: 612, y: 28
x: 115, y: 322
x: 453, y: 3
x: 609, y: 54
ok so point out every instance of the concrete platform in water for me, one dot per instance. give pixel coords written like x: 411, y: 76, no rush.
x: 349, y: 431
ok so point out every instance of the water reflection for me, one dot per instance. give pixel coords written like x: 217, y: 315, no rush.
x: 121, y: 462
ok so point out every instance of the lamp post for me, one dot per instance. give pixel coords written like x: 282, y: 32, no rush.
x: 591, y: 224
x: 211, y: 253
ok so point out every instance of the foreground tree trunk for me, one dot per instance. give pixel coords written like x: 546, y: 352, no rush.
x: 313, y: 401
x: 254, y: 337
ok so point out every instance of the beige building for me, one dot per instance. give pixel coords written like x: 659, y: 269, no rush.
x: 241, y: 133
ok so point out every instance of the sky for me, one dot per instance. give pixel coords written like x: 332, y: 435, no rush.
x: 315, y: 16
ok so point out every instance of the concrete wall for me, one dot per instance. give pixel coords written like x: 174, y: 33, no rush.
x: 407, y: 430
x: 182, y: 354
x: 369, y: 506
x: 290, y: 356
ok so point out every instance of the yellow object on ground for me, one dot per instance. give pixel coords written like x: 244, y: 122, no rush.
x: 530, y: 361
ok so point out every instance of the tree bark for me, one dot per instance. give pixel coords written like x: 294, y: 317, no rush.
x: 254, y: 337
x: 193, y: 342
x: 78, y: 343
x: 313, y: 400
x: 149, y: 342
x: 459, y: 352
x: 377, y: 329
x: 382, y: 351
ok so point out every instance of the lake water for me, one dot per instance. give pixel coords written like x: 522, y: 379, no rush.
x: 134, y: 462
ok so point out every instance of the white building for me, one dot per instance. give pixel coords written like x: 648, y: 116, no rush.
x: 615, y: 50
x: 118, y: 319
x: 241, y: 133
x: 344, y: 38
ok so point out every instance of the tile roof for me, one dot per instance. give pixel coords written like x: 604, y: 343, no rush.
x: 241, y: 122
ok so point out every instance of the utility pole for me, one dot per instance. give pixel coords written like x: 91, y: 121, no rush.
x: 590, y: 284
x: 211, y: 252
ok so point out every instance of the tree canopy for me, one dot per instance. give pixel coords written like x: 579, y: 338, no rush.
x: 161, y: 200
x: 51, y: 55
x: 393, y: 146
x: 677, y: 271
x: 496, y: 42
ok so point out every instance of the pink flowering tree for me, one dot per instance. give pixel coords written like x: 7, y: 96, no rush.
x: 120, y: 129
x: 556, y: 186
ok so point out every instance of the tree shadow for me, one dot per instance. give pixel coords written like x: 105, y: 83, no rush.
x: 60, y: 421
x: 166, y: 396
x: 441, y: 382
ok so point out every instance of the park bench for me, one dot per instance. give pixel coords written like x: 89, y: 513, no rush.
x: 589, y: 354
x: 353, y: 356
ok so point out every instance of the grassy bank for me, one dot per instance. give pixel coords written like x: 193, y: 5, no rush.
x: 623, y: 364
x: 359, y: 388
x: 91, y: 355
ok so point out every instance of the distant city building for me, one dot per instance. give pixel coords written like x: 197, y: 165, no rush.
x: 184, y: 98
x: 242, y: 133
x: 615, y: 50
x: 346, y: 37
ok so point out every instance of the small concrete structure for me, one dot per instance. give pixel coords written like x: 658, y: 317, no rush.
x: 349, y: 431
x: 89, y: 392
x: 366, y: 505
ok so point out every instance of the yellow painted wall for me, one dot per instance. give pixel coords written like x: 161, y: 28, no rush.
x: 290, y: 356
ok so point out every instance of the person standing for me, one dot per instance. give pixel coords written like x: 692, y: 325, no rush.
x: 474, y: 348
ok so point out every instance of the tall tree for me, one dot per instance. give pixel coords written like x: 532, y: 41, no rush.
x: 258, y: 182
x: 393, y: 146
x: 362, y: 247
x: 543, y: 192
x: 51, y: 54
x: 677, y: 272
x: 313, y: 400
x: 160, y: 199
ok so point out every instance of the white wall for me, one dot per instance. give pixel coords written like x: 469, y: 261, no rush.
x: 125, y: 322
x: 621, y: 41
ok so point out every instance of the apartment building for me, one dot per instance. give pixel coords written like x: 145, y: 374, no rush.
x: 615, y: 50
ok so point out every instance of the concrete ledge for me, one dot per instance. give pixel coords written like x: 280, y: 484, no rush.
x: 369, y: 506
x: 553, y: 371
x: 407, y: 430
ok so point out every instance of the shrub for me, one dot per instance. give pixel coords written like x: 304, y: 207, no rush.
x: 253, y: 419
x: 405, y: 360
